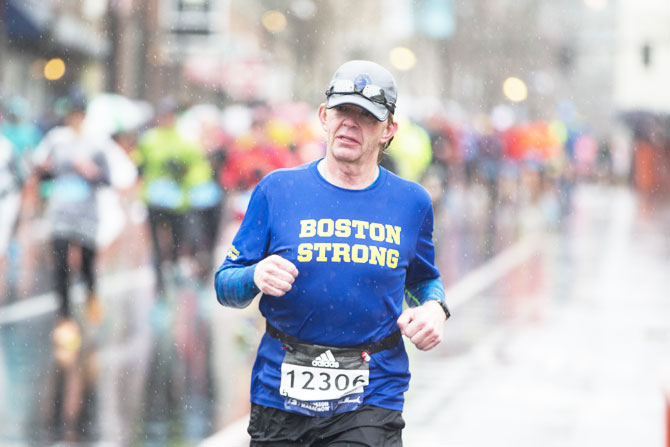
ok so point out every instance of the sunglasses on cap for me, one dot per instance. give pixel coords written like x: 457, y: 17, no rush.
x: 372, y: 92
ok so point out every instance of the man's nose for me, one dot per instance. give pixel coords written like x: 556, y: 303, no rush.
x: 351, y: 118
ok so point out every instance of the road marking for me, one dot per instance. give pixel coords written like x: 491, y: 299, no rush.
x: 113, y: 284
x: 495, y: 268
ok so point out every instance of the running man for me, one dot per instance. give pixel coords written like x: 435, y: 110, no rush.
x: 333, y: 247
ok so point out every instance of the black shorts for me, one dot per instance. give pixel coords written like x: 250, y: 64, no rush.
x: 368, y: 426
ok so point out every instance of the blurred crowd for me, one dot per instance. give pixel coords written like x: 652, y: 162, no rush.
x: 184, y: 172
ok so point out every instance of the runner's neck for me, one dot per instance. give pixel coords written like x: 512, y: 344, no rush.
x: 348, y: 176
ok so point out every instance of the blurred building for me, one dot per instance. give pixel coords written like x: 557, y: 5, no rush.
x: 643, y: 58
x: 48, y: 46
x: 641, y: 96
x: 581, y: 60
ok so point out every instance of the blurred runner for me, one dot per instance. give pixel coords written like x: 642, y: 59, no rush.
x: 202, y: 124
x: 77, y: 164
x: 256, y: 153
x: 333, y: 247
x: 410, y: 150
x: 172, y: 169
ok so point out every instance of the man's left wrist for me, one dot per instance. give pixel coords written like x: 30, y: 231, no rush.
x: 443, y: 306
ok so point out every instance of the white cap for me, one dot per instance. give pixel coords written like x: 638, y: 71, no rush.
x: 364, y: 78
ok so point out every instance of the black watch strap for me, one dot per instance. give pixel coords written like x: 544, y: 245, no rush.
x: 444, y: 307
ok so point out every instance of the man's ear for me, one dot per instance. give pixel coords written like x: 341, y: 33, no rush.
x: 389, y: 131
x: 322, y: 116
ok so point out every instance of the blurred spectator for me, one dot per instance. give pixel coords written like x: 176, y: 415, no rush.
x: 17, y: 128
x: 77, y: 164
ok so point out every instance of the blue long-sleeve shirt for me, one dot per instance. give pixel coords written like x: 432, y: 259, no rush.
x: 356, y: 252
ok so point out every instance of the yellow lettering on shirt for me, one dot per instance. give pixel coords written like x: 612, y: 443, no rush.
x: 307, y: 228
x: 377, y: 232
x: 377, y: 255
x: 360, y: 226
x: 392, y: 234
x: 342, y: 228
x: 340, y: 252
x: 325, y: 227
x: 322, y: 247
x: 360, y: 253
x: 305, y: 252
x: 334, y: 251
x: 392, y: 258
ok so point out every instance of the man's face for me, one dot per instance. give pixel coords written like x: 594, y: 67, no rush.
x: 353, y: 134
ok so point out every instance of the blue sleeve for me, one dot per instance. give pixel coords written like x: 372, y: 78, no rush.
x: 234, y: 280
x: 422, y: 266
x: 422, y: 291
x: 235, y: 287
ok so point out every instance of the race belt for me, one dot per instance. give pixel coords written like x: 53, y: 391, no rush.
x: 371, y: 348
x: 321, y: 380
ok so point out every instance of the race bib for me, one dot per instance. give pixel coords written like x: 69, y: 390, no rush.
x: 164, y: 193
x: 205, y: 195
x: 322, y: 381
x: 70, y: 189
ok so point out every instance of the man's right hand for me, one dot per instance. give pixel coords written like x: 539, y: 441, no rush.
x: 274, y: 275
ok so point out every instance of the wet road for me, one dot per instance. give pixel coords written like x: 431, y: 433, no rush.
x: 570, y: 347
x: 558, y: 337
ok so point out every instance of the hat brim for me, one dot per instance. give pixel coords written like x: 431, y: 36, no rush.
x: 378, y: 110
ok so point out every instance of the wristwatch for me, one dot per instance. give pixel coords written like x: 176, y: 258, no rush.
x: 444, y: 307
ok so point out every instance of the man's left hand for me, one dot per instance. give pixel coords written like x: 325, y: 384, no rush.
x: 423, y: 325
